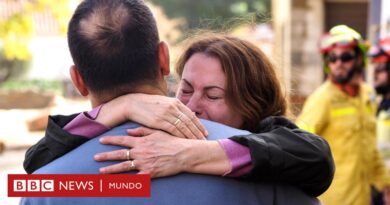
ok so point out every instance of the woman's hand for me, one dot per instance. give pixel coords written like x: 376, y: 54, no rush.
x: 154, y: 111
x: 160, y: 154
x: 156, y: 153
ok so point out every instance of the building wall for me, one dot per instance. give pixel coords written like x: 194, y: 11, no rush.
x: 306, y: 61
x: 308, y: 20
x: 353, y: 14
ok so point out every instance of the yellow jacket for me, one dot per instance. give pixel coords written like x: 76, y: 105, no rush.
x: 348, y: 124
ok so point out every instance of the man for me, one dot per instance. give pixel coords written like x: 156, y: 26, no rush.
x: 342, y: 110
x: 116, y: 50
x: 380, y: 57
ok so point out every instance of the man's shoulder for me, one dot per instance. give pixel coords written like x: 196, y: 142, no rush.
x: 322, y: 94
x: 325, y: 89
x: 329, y: 92
x: 81, y: 159
x: 219, y: 131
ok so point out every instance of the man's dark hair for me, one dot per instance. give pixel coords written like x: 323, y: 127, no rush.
x: 114, y: 44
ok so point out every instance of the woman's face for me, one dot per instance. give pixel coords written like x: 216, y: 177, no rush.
x: 202, y: 89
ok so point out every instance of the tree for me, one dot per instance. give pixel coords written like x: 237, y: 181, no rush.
x: 17, y: 31
x: 216, y: 13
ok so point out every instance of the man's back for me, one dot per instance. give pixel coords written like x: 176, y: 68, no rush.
x: 180, y: 189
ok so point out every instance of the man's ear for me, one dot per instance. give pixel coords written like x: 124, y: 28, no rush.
x: 163, y: 57
x: 78, y: 81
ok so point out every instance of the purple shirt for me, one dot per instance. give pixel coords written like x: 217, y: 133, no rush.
x: 85, y: 125
x: 239, y: 156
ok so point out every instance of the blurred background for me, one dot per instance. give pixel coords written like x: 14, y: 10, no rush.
x: 34, y: 58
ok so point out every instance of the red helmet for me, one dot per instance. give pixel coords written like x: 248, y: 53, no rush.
x: 381, y: 53
x: 345, y: 37
x: 342, y: 36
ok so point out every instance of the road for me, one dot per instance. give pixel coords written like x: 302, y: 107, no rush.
x: 10, y: 163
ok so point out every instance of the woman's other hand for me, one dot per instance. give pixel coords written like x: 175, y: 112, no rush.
x: 156, y: 153
x: 167, y: 114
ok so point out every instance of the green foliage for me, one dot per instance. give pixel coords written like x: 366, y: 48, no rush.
x: 37, y: 85
x: 17, y: 30
x: 16, y: 34
x: 216, y: 13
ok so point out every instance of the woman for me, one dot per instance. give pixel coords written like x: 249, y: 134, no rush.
x: 227, y: 80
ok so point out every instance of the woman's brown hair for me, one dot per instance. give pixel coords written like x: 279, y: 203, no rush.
x: 252, y: 86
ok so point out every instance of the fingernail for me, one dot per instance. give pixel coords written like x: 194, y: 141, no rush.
x: 101, y: 170
x: 206, y: 133
x: 96, y: 157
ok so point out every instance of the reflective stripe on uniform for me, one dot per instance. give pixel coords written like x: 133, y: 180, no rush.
x: 343, y: 111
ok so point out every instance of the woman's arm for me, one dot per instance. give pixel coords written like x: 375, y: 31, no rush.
x: 154, y: 111
x: 285, y: 153
x: 54, y: 144
x: 65, y: 133
x: 281, y: 153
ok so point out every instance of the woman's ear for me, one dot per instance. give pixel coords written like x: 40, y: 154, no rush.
x: 163, y: 56
x: 78, y: 81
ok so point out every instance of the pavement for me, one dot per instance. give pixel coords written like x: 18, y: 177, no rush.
x: 17, y: 138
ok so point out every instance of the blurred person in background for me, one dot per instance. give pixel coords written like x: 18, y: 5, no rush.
x: 2, y: 146
x: 380, y: 57
x: 342, y: 110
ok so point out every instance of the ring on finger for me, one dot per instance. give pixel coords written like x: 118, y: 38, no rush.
x: 128, y: 154
x: 177, y: 121
x: 180, y: 116
x: 132, y: 164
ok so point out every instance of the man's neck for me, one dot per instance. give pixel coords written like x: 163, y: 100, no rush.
x: 97, y: 100
x: 352, y: 88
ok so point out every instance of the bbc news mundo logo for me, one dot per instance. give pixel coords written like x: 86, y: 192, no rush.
x: 22, y: 185
x: 78, y: 185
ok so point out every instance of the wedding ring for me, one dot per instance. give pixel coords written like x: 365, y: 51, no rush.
x: 132, y: 165
x: 180, y: 115
x: 177, y: 121
x: 128, y: 154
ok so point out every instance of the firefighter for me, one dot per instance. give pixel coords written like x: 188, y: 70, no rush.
x: 380, y: 58
x: 342, y: 110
